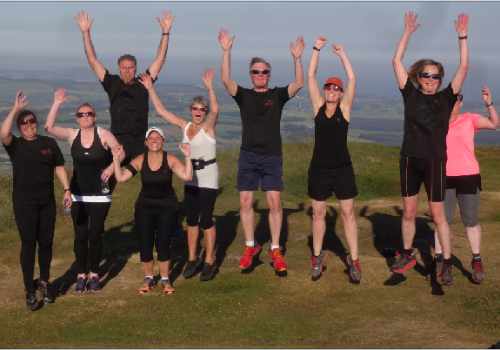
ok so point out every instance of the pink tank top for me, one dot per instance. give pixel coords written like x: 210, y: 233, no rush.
x: 460, y: 146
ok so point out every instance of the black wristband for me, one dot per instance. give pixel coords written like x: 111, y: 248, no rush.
x: 315, y: 48
x: 462, y: 37
x: 489, y: 105
x: 165, y: 33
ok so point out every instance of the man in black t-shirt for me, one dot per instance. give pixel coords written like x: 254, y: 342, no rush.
x: 128, y: 98
x: 260, y: 161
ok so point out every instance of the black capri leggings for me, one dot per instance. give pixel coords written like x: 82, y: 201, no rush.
x: 88, y: 223
x: 35, y: 222
x: 155, y: 227
x: 199, y: 205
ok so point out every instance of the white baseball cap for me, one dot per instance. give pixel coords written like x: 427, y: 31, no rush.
x: 158, y: 130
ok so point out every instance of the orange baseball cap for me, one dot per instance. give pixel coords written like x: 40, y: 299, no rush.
x: 335, y: 81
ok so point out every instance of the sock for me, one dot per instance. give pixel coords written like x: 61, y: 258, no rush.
x: 148, y: 276
x: 447, y: 261
x: 250, y: 243
x: 165, y: 279
x: 275, y: 246
x: 439, y: 257
x: 476, y: 257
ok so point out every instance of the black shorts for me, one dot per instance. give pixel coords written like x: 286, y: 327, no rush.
x: 262, y: 170
x: 325, y: 182
x: 432, y: 172
x: 199, y: 205
x: 466, y: 184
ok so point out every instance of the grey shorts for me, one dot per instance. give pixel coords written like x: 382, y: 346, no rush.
x: 467, y: 203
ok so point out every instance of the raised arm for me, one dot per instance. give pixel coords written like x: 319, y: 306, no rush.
x: 124, y: 174
x: 183, y: 171
x: 492, y: 121
x: 20, y: 102
x: 159, y: 106
x: 66, y: 134
x: 296, y: 49
x: 165, y: 22
x: 226, y: 43
x: 411, y: 26
x: 213, y: 113
x: 85, y: 23
x: 315, y: 95
x: 350, y: 89
x: 461, y: 26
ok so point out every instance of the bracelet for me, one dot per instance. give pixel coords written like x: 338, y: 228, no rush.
x: 66, y: 190
x: 165, y: 33
x: 315, y: 48
x: 489, y: 105
x: 462, y: 37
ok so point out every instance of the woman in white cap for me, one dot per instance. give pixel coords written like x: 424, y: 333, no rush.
x: 201, y: 192
x: 156, y: 206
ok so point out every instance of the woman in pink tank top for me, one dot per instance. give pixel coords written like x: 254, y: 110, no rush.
x: 463, y: 179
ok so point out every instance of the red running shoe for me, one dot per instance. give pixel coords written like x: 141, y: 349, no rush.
x: 279, y: 263
x: 246, y: 259
x: 477, y: 271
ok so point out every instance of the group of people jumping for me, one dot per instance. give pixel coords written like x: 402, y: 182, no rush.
x: 437, y: 150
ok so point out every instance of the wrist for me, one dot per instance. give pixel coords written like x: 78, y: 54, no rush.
x: 165, y: 33
x: 462, y: 37
x: 66, y: 190
x: 315, y: 48
x: 488, y: 105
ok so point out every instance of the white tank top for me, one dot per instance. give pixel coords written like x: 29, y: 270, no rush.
x: 203, y: 147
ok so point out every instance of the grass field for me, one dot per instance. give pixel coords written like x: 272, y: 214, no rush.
x: 261, y: 309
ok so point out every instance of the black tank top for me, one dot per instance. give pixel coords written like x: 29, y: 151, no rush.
x: 156, y: 185
x: 330, y: 140
x: 88, y: 164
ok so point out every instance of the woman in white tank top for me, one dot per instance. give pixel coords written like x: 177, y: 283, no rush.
x: 201, y: 192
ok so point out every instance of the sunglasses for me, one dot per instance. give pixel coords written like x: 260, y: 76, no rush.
x: 258, y: 72
x: 425, y: 75
x: 332, y: 87
x: 460, y: 97
x: 85, y: 114
x: 27, y: 121
x: 199, y: 109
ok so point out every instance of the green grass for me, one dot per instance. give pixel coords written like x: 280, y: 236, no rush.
x: 261, y: 309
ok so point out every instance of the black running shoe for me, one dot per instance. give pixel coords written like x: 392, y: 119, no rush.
x: 47, y: 293
x: 93, y: 284
x: 191, y: 268
x: 31, y: 301
x: 445, y: 277
x: 208, y: 272
x: 81, y: 285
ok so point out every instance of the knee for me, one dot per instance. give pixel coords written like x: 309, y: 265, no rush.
x: 410, y: 214
x: 319, y: 213
x: 245, y: 203
x: 347, y: 214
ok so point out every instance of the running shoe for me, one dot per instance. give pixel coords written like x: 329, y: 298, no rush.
x: 81, y: 284
x: 31, y: 301
x: 47, y: 293
x: 191, y: 268
x: 93, y: 284
x: 317, y: 266
x: 354, y: 270
x: 208, y: 272
x: 279, y: 263
x: 148, y: 285
x: 167, y: 286
x: 445, y: 277
x: 246, y: 259
x: 403, y: 263
x: 477, y: 271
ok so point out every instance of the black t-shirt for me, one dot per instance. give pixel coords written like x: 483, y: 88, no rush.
x: 33, y: 164
x: 260, y: 117
x: 129, y: 105
x: 426, y: 122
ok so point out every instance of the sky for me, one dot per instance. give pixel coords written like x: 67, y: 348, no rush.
x: 44, y: 36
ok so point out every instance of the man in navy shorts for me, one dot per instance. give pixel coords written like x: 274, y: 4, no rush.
x: 261, y: 162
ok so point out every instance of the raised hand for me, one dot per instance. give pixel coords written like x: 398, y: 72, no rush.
x: 338, y: 50
x: 118, y: 152
x: 166, y: 21
x: 185, y: 149
x: 208, y: 78
x: 146, y: 80
x: 462, y: 24
x: 20, y: 101
x: 320, y: 42
x: 84, y: 21
x: 297, y: 47
x: 486, y: 95
x: 411, y: 24
x: 60, y: 96
x: 225, y: 40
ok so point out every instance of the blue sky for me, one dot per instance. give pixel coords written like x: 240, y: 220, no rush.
x: 44, y: 36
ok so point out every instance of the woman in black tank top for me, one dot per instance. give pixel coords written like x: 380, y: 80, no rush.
x: 91, y: 198
x: 331, y: 170
x: 156, y: 206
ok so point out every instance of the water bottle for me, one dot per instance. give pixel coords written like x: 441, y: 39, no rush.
x: 104, y: 187
x: 66, y: 210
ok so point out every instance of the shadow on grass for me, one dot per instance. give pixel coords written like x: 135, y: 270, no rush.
x: 387, y: 239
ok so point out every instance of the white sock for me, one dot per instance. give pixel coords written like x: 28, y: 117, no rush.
x: 273, y: 246
x: 250, y: 243
x: 150, y: 277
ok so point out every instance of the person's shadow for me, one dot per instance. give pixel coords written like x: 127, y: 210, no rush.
x: 387, y: 239
x: 331, y: 240
x: 226, y: 226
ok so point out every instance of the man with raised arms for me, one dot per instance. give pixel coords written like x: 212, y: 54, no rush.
x: 260, y: 161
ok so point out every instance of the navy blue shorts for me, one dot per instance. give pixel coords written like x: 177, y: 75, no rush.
x: 259, y: 170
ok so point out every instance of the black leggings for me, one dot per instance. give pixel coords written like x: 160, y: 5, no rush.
x: 35, y: 222
x: 155, y: 226
x: 88, y: 223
